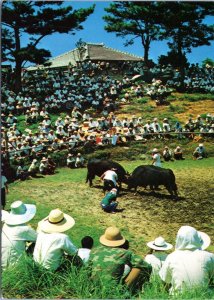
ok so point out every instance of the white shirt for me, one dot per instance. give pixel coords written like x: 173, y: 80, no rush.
x: 156, y: 260
x: 84, y: 254
x: 157, y: 160
x: 14, y: 239
x: 111, y: 175
x: 50, y: 247
x: 186, y: 268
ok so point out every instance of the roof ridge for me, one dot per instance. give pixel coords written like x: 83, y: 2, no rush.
x: 123, y: 52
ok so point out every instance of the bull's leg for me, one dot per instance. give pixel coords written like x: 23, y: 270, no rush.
x: 170, y: 190
x: 135, y: 190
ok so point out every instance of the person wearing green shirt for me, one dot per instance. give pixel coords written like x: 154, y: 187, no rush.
x: 108, y: 261
x: 109, y: 203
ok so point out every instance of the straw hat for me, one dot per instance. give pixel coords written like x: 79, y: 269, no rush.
x: 155, y: 150
x: 56, y: 221
x: 159, y: 244
x: 44, y: 159
x: 20, y: 213
x: 201, y: 145
x: 112, y: 237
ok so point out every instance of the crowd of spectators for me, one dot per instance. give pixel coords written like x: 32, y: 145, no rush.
x: 112, y: 261
x: 89, y: 99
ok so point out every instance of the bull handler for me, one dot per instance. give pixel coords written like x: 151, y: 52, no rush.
x: 109, y: 203
x: 110, y: 179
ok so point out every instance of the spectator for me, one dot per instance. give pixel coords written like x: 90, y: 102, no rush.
x: 4, y: 189
x: 33, y: 169
x: 71, y: 161
x: 109, y: 203
x: 156, y: 158
x: 157, y: 255
x: 108, y: 260
x: 43, y: 167
x: 15, y: 232
x: 110, y: 179
x: 87, y: 243
x: 79, y: 162
x: 189, y: 265
x: 200, y: 152
x: 52, y: 243
x: 178, y: 153
x: 167, y: 154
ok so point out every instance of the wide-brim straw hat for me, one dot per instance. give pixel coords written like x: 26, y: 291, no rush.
x: 112, y: 237
x: 155, y: 150
x: 205, y: 240
x: 20, y: 213
x: 56, y: 221
x: 159, y: 244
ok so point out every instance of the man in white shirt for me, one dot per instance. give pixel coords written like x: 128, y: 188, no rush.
x: 110, y: 179
x: 4, y: 190
x: 189, y: 265
x: 52, y: 243
x: 15, y: 232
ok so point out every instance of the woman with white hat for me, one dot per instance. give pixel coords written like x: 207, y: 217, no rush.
x: 157, y: 255
x: 52, y: 243
x: 15, y: 232
x: 189, y: 265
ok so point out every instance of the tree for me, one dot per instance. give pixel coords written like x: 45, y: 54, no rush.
x: 184, y: 27
x: 130, y: 20
x: 38, y: 19
x: 173, y: 59
x: 208, y: 62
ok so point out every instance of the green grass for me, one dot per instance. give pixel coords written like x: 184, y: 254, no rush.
x: 29, y: 280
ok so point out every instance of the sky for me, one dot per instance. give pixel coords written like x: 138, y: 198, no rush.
x: 94, y: 32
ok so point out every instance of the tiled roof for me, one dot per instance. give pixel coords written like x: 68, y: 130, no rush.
x: 94, y: 52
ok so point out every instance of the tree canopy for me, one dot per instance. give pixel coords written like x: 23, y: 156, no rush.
x: 38, y: 19
x: 131, y: 20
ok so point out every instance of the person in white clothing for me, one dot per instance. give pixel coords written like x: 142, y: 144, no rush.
x: 15, y: 232
x: 156, y: 158
x: 157, y: 255
x: 84, y: 252
x: 110, y: 179
x: 189, y: 265
x: 52, y: 243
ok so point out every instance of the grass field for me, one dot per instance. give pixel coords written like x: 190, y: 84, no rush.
x: 144, y: 217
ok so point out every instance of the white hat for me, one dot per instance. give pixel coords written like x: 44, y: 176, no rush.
x: 155, y: 150
x: 20, y: 213
x: 159, y: 244
x: 205, y: 240
x: 188, y: 238
x: 56, y: 221
x: 201, y: 145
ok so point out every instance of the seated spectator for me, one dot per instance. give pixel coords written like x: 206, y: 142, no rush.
x: 157, y: 255
x: 15, y: 232
x: 33, y: 169
x: 71, y: 160
x: 167, y: 154
x: 79, y: 162
x: 108, y: 261
x: 200, y: 152
x: 178, y: 153
x: 189, y: 265
x: 21, y: 173
x: 43, y: 167
x: 52, y: 243
x: 51, y: 165
x: 87, y: 243
x: 109, y: 203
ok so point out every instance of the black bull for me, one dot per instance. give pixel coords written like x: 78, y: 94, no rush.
x: 96, y: 167
x: 153, y: 176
